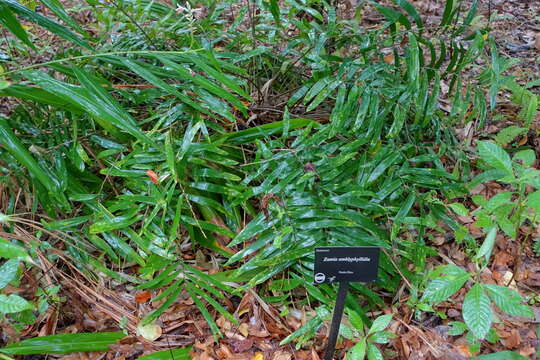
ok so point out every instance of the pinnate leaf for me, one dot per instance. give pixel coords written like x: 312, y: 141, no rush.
x: 64, y: 343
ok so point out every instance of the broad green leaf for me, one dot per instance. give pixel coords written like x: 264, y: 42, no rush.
x: 498, y: 200
x: 171, y: 354
x: 10, y: 250
x: 149, y: 76
x: 358, y: 351
x: 219, y: 76
x: 477, y: 312
x: 508, y: 300
x: 13, y: 304
x: 457, y: 328
x: 405, y: 208
x: 495, y: 156
x: 442, y: 288
x: 380, y: 323
x: 400, y: 116
x: 373, y: 353
x: 356, y: 320
x: 79, y: 98
x: 262, y: 131
x: 256, y: 226
x: 533, y: 201
x: 527, y: 157
x: 459, y: 209
x: 38, y: 95
x: 381, y: 337
x: 8, y: 272
x: 64, y: 343
x: 530, y: 107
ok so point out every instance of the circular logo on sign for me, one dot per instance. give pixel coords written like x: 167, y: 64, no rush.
x: 319, y: 277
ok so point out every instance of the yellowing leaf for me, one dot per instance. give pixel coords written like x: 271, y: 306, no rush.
x: 243, y: 329
x: 242, y: 311
x: 258, y: 356
x: 150, y: 332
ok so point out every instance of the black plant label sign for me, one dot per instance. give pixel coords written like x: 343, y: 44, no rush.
x: 346, y: 264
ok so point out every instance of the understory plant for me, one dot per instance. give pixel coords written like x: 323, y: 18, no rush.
x: 376, y: 334
x: 249, y: 143
x: 505, y: 212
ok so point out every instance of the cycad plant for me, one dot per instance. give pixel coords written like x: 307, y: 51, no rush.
x: 143, y: 147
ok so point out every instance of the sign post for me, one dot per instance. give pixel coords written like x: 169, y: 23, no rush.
x: 343, y: 264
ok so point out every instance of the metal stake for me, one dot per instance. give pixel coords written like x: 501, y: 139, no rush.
x: 336, y: 320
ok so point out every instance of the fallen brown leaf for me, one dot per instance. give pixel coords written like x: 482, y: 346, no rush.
x: 239, y: 346
x: 281, y: 355
x: 512, y: 340
x: 143, y: 296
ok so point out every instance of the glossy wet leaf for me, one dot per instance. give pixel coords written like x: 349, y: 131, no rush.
x: 8, y: 272
x: 64, y: 343
x: 477, y: 312
x: 13, y: 304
